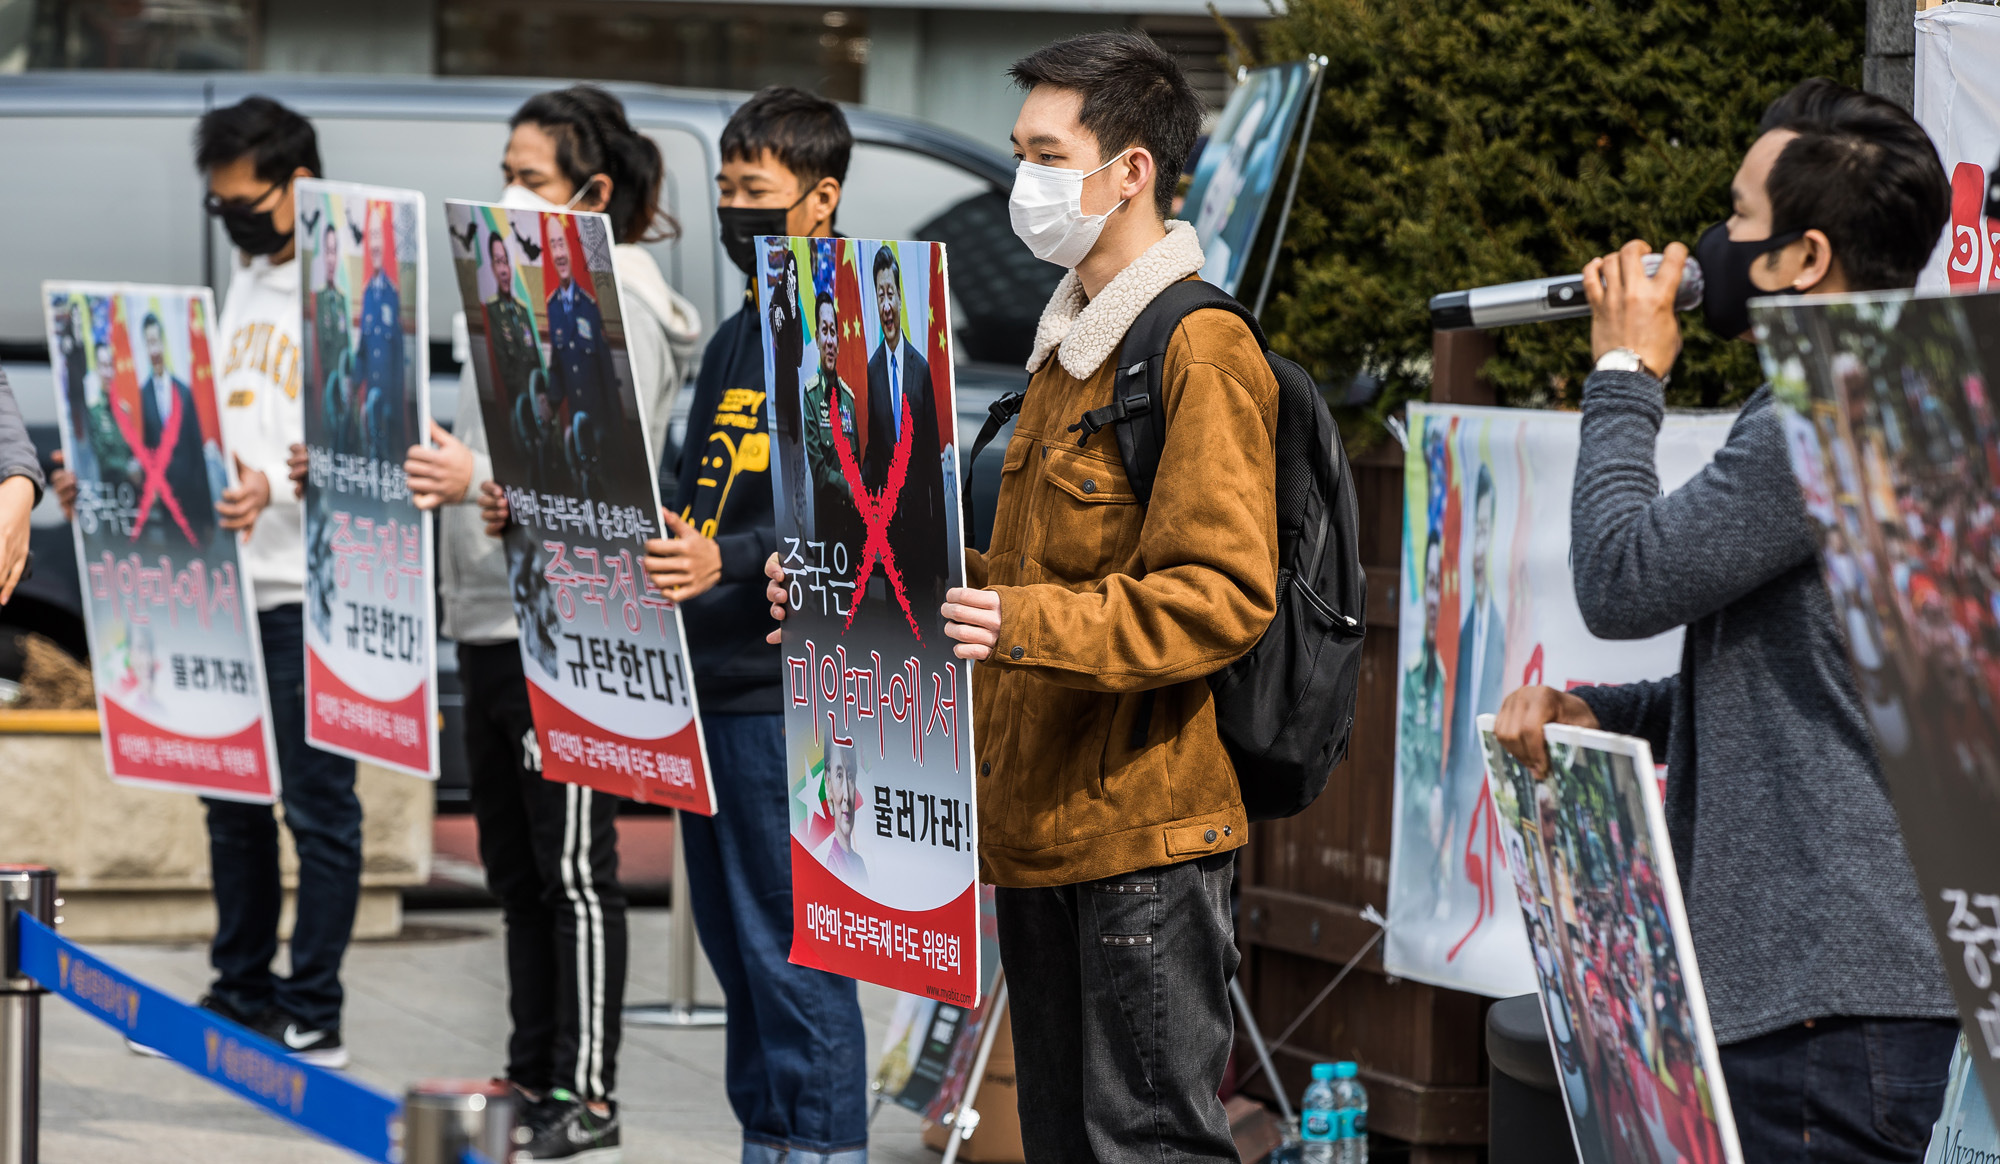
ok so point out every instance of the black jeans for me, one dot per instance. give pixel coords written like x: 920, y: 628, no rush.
x: 324, y: 816
x: 1119, y: 992
x: 1839, y: 1090
x: 551, y: 857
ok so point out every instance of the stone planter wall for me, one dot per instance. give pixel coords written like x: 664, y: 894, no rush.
x: 133, y: 862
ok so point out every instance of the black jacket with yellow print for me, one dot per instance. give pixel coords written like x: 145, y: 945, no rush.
x: 722, y: 484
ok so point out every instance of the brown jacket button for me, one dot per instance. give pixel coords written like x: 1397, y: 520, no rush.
x: 1016, y: 652
x: 1090, y: 486
x: 986, y: 769
x: 1209, y: 836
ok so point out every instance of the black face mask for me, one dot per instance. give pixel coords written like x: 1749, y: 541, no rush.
x: 1725, y: 271
x: 742, y: 225
x: 255, y: 232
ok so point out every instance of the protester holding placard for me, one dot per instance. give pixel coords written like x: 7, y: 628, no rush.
x: 1109, y: 809
x: 1823, y: 979
x: 549, y: 849
x: 797, y: 1059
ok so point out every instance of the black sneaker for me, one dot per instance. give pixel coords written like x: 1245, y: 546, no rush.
x: 321, y: 1048
x: 214, y: 1004
x: 562, y: 1127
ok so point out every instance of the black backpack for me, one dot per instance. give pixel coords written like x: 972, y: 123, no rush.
x: 1285, y: 709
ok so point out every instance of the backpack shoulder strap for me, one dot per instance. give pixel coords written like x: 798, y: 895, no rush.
x: 1138, y: 405
x: 998, y: 414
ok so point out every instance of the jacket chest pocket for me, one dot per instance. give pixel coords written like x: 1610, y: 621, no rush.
x: 1089, y: 517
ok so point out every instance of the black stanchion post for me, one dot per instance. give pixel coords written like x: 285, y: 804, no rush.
x: 29, y: 889
x: 458, y: 1121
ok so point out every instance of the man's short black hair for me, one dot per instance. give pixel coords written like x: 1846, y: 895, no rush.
x: 152, y: 321
x: 276, y: 140
x: 885, y: 260
x: 1134, y: 94
x: 808, y: 135
x: 1863, y: 171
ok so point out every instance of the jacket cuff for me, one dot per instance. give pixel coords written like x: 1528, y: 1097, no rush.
x: 32, y: 472
x: 1020, y: 628
x: 1631, y: 391
x: 279, y: 477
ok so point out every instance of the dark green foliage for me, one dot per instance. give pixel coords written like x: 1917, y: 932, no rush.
x: 1461, y: 145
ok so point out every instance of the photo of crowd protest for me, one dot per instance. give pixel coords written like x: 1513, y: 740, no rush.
x: 1596, y: 882
x: 1895, y: 440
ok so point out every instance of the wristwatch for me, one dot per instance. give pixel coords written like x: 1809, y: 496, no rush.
x: 1627, y: 360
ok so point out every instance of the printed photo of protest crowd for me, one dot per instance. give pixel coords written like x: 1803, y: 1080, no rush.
x: 1893, y: 435
x: 1601, y: 925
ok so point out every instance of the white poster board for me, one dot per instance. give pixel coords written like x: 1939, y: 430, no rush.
x: 1486, y: 494
x: 1958, y: 104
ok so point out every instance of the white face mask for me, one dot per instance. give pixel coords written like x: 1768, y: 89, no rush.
x: 1047, y: 212
x: 521, y: 198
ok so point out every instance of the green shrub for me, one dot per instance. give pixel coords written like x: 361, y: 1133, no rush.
x: 1462, y: 145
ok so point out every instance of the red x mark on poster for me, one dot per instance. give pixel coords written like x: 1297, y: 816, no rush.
x: 876, y: 511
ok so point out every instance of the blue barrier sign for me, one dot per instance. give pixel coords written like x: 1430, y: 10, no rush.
x: 352, y: 1115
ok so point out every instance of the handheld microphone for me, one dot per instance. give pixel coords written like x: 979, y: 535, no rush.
x: 1540, y: 300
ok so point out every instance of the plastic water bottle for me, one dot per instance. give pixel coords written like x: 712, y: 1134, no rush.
x: 1350, y: 1111
x: 1319, y: 1121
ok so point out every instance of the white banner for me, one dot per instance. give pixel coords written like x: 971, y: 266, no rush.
x: 1487, y: 605
x: 1958, y: 103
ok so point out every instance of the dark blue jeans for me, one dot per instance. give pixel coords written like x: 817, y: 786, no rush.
x: 1839, y: 1090
x: 796, y: 1066
x: 324, y: 816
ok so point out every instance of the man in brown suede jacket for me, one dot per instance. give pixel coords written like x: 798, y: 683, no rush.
x: 1108, y: 808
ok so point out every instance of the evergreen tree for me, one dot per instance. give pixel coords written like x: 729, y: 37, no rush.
x: 1458, y: 146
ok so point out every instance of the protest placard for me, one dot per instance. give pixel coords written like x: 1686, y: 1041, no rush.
x: 878, y: 721
x: 174, y: 647
x: 1237, y: 171
x: 1487, y: 605
x: 1613, y: 957
x: 1888, y: 413
x: 604, y: 652
x: 371, y: 641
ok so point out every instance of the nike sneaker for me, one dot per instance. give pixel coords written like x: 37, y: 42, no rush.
x: 321, y: 1048
x: 562, y: 1127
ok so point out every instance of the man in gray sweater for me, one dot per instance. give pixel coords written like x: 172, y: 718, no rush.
x: 1824, y: 983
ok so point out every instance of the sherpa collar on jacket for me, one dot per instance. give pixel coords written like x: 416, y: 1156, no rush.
x: 1083, y: 333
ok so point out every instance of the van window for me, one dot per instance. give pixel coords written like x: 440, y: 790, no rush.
x: 998, y: 286
x: 132, y: 212
x: 443, y: 159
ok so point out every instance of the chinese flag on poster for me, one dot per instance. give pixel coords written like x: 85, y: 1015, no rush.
x: 940, y: 351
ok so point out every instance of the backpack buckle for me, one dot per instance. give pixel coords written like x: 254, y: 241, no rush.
x: 1120, y: 410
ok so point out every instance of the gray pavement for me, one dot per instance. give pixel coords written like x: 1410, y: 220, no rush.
x: 430, y: 1004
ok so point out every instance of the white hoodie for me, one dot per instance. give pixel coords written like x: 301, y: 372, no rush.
x: 258, y: 376
x: 662, y: 330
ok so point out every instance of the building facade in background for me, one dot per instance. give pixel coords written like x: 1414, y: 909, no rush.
x: 942, y: 61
